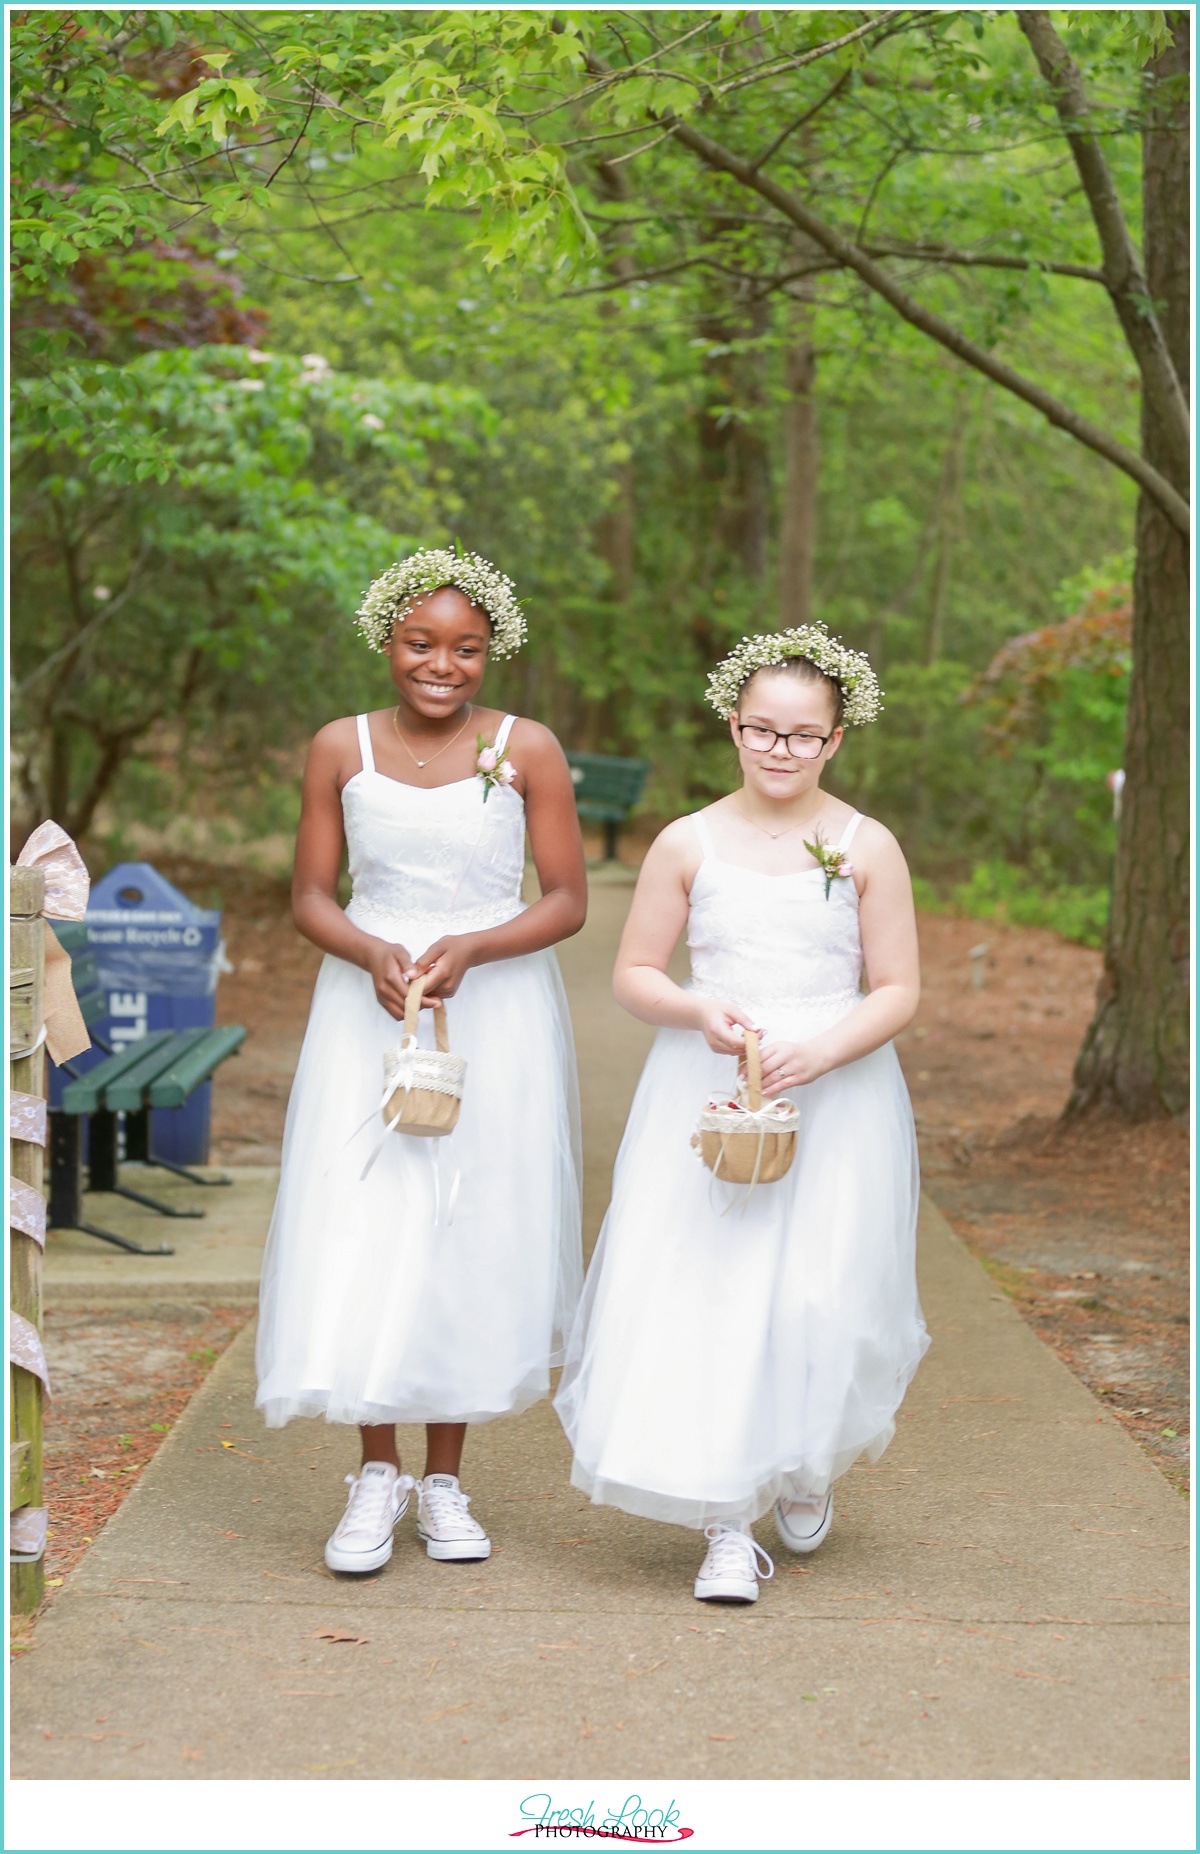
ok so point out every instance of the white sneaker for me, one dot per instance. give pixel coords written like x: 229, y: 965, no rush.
x: 362, y: 1538
x: 732, y: 1567
x: 444, y: 1523
x: 802, y: 1524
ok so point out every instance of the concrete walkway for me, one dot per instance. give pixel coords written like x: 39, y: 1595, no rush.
x: 1004, y: 1595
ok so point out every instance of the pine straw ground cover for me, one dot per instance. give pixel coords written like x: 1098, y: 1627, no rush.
x: 120, y: 1379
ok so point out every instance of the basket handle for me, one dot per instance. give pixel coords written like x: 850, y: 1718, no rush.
x: 412, y: 1009
x: 754, y: 1099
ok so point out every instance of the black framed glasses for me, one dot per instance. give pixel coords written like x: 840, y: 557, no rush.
x: 802, y: 746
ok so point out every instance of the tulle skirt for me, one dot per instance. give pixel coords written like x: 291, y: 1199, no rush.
x: 399, y: 1298
x: 731, y: 1350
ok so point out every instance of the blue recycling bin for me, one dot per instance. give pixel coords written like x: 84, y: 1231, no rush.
x: 158, y: 957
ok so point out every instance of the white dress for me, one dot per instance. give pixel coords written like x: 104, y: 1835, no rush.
x: 382, y: 1302
x: 729, y: 1351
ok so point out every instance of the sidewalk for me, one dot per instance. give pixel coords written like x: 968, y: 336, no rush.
x: 1004, y: 1595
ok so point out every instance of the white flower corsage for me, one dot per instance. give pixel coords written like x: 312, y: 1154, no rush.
x: 831, y: 862
x: 493, y: 766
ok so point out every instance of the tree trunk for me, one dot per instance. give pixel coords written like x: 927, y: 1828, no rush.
x: 734, y: 464
x: 596, y: 724
x: 616, y: 529
x: 798, y: 530
x: 750, y: 449
x: 948, y: 516
x: 58, y: 774
x: 1135, y: 1056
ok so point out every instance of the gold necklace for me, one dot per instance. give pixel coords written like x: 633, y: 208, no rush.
x: 773, y: 834
x: 441, y: 750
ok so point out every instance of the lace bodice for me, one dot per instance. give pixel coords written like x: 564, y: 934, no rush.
x: 774, y: 942
x: 431, y: 860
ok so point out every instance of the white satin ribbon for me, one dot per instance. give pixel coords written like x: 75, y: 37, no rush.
x: 399, y: 1065
x: 398, y: 1069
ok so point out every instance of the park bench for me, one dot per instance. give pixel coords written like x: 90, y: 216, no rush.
x: 160, y: 1070
x: 606, y: 789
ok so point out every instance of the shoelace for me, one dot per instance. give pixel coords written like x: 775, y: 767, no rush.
x: 448, y: 1503
x: 811, y: 1511
x: 370, y: 1494
x: 728, y: 1550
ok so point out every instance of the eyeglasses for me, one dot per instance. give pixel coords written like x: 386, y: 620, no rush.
x: 804, y: 746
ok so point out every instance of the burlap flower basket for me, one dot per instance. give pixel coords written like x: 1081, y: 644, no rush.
x: 748, y: 1140
x: 422, y: 1087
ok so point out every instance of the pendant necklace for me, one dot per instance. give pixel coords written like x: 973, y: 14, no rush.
x: 774, y: 834
x: 441, y: 750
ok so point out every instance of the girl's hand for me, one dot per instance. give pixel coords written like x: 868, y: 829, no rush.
x: 443, y: 966
x: 388, y: 963
x: 789, y: 1065
x: 723, y: 1026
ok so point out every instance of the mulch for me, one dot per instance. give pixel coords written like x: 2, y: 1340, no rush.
x: 120, y: 1383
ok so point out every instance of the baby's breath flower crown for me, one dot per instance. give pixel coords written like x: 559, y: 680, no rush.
x: 861, y: 694
x: 389, y: 599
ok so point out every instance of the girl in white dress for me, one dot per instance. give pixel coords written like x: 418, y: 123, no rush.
x: 736, y: 1351
x: 438, y: 1288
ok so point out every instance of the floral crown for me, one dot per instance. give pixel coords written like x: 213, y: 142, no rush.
x: 850, y: 669
x: 389, y: 599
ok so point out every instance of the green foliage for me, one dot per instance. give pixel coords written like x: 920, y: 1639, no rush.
x: 1033, y: 897
x: 578, y: 340
x: 191, y: 534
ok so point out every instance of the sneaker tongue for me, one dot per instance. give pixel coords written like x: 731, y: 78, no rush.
x: 442, y: 1480
x: 377, y: 1467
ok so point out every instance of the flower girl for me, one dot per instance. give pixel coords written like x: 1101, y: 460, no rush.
x: 738, y: 1346
x: 428, y: 1280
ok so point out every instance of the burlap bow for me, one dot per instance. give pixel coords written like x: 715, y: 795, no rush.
x: 67, y: 885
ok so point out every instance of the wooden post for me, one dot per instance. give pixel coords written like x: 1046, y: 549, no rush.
x: 27, y: 1074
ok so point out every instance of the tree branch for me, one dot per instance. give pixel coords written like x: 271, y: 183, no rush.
x: 1123, y: 274
x: 784, y: 61
x: 946, y: 254
x: 75, y: 643
x: 772, y: 148
x: 723, y: 161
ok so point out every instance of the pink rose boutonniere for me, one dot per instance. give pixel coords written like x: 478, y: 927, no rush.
x: 493, y: 766
x: 832, y: 863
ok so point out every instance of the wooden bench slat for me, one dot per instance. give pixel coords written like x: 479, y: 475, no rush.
x: 189, y: 1067
x: 86, y: 1096
x: 128, y: 1092
x: 606, y: 786
x: 93, y: 1006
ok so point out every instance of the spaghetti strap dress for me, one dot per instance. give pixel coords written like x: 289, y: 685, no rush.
x: 732, y: 1349
x: 440, y: 1286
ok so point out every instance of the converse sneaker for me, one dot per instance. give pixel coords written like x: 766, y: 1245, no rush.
x: 362, y: 1538
x: 802, y: 1524
x: 732, y: 1567
x: 444, y: 1523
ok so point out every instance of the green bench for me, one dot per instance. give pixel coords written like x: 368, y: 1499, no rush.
x: 606, y: 789
x: 160, y: 1070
